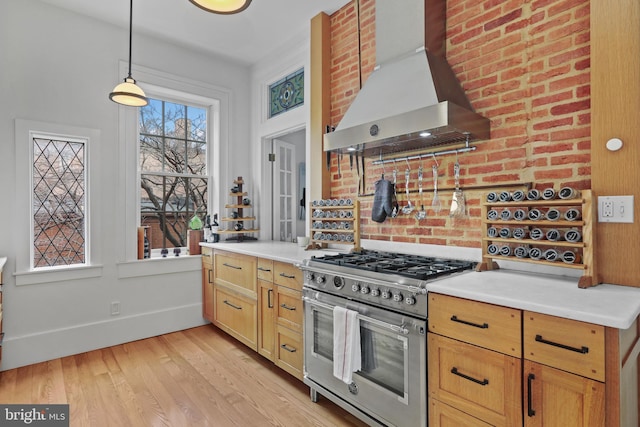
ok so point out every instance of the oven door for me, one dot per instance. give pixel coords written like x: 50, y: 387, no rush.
x: 391, y: 386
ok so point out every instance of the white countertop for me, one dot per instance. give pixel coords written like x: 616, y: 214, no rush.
x: 3, y: 260
x: 607, y: 305
x: 556, y: 295
x: 275, y: 250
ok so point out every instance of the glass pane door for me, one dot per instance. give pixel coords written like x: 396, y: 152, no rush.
x: 285, y: 186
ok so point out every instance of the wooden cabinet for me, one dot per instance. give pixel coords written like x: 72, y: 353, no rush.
x: 2, y: 262
x: 235, y: 296
x: 475, y: 376
x: 207, y: 283
x: 257, y: 301
x: 568, y: 373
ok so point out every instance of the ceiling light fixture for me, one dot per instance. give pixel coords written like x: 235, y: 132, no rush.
x: 223, y: 7
x: 128, y: 92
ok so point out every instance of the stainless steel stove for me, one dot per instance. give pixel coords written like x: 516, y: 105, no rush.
x: 389, y: 293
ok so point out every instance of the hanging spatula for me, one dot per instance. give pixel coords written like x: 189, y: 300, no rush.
x: 421, y: 214
x: 458, y: 206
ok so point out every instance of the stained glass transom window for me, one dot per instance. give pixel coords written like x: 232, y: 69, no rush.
x: 286, y: 93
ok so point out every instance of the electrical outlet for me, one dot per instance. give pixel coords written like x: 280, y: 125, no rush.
x: 115, y: 308
x: 615, y: 209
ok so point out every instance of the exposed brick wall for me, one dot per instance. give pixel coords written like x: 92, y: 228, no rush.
x: 524, y: 64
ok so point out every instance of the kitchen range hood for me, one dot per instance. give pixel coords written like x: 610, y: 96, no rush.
x: 412, y: 100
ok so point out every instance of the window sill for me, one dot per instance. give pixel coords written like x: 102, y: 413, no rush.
x: 57, y: 275
x: 159, y: 266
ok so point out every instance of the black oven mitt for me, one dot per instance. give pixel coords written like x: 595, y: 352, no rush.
x: 383, y: 200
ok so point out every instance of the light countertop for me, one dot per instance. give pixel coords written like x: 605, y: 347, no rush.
x: 556, y: 295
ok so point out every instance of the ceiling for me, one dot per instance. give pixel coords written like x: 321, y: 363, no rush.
x: 246, y: 37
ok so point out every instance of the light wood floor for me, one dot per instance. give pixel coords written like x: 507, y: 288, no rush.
x: 196, y: 377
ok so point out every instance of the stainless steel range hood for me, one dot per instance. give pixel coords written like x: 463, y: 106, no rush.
x: 411, y: 92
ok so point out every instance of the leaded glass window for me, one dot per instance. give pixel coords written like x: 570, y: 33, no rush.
x: 286, y: 93
x: 173, y: 170
x: 59, y: 201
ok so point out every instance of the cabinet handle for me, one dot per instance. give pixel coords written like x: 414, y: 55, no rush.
x: 231, y: 266
x: 209, y: 276
x: 454, y: 371
x: 582, y: 350
x: 287, y: 307
x: 530, y: 410
x: 269, y: 302
x: 287, y: 276
x: 454, y: 318
x: 232, y: 305
x: 287, y: 348
x: 263, y: 269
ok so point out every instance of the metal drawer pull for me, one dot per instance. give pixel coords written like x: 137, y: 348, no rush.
x: 477, y: 325
x: 287, y: 307
x: 582, y: 350
x: 269, y: 302
x: 237, y: 307
x: 263, y: 269
x: 530, y: 410
x: 454, y: 371
x: 287, y: 276
x: 287, y: 348
x: 231, y: 266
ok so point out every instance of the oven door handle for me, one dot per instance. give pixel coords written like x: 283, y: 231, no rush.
x: 401, y: 329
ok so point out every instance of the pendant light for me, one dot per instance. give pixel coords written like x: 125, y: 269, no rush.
x: 223, y: 7
x: 128, y: 92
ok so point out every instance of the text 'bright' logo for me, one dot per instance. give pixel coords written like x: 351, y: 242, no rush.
x: 38, y: 415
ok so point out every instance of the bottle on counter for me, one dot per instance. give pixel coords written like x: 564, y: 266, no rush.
x: 207, y: 229
x: 215, y: 237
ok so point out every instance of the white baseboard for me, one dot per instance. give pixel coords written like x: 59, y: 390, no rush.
x: 29, y: 349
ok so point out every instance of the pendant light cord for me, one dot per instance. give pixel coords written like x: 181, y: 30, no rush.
x: 130, y: 33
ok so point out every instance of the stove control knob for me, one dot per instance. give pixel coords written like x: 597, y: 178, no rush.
x: 309, y: 276
x: 355, y: 287
x: 320, y: 280
x: 385, y: 294
x: 375, y: 292
x: 365, y: 289
x: 397, y: 297
x: 410, y: 300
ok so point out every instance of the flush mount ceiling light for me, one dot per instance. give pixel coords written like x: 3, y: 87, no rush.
x: 223, y: 7
x: 128, y: 92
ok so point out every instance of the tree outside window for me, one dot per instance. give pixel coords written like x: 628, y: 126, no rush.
x: 173, y: 170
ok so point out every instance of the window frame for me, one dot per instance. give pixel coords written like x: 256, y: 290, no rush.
x: 26, y: 273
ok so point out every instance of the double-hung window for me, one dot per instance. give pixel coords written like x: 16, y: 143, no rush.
x: 173, y: 141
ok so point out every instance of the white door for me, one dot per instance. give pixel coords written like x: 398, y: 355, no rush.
x: 285, y: 191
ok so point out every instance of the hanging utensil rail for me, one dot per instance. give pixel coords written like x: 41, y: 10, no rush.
x: 422, y: 156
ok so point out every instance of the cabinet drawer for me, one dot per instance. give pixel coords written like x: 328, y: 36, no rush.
x: 265, y: 269
x: 566, y: 344
x: 485, y: 325
x: 237, y: 315
x: 288, y: 349
x: 289, y: 308
x: 236, y: 270
x: 207, y: 255
x: 287, y: 275
x: 483, y: 383
x: 441, y: 415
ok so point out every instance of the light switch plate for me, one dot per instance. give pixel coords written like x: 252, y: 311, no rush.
x: 615, y: 209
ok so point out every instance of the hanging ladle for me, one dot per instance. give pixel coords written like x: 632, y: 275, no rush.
x: 435, y: 204
x: 409, y: 207
x: 396, y: 207
x: 421, y: 214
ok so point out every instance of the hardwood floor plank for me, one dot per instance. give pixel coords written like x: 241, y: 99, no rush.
x: 197, y: 377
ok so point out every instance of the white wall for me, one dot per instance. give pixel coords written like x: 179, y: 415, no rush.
x: 58, y: 67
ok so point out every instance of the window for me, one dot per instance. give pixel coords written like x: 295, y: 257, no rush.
x: 173, y: 170
x: 286, y: 93
x: 58, y: 198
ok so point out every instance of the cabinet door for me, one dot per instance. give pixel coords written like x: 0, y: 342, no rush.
x: 207, y: 283
x: 555, y: 398
x: 483, y: 383
x: 441, y: 415
x: 266, y: 319
x: 237, y: 315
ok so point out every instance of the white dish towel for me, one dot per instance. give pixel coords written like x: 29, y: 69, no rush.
x: 346, y: 344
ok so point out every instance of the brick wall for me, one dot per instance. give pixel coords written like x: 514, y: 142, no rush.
x: 525, y: 66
